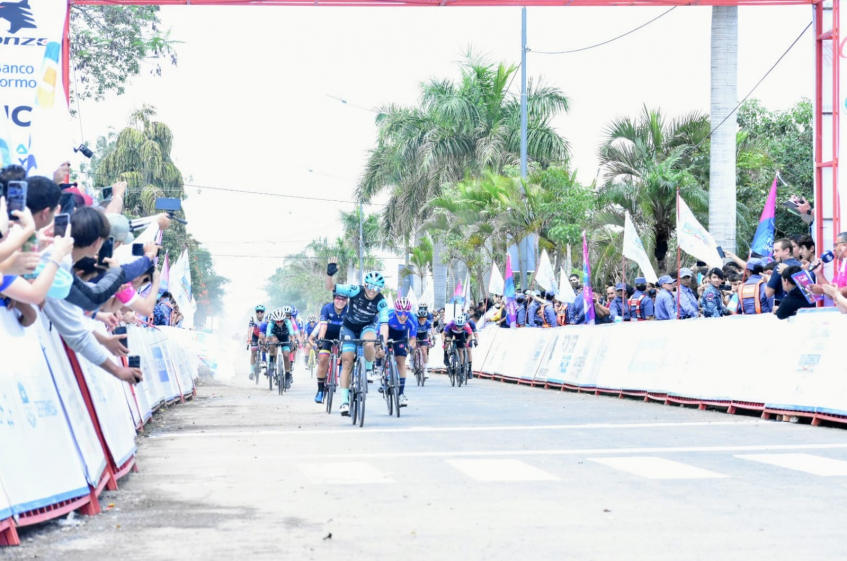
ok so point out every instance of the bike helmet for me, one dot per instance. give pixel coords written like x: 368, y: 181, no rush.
x: 294, y: 311
x: 402, y: 305
x: 287, y: 310
x: 375, y: 281
x: 277, y: 315
x: 460, y: 320
x: 422, y: 313
x: 260, y: 308
x: 313, y: 319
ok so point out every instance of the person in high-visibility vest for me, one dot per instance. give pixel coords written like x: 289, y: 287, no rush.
x: 752, y: 294
x: 640, y: 305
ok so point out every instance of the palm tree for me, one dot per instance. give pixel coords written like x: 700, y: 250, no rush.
x: 458, y: 129
x: 722, y: 174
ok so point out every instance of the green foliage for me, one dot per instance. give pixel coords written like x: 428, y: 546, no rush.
x: 109, y: 45
x: 567, y: 205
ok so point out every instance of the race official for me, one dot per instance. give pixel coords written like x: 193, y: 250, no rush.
x: 640, y: 304
x: 665, y: 299
x: 618, y: 307
x: 688, y: 306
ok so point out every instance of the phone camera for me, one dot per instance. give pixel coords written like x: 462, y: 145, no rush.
x: 86, y: 151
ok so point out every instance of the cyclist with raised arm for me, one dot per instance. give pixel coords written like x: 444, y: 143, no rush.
x: 255, y: 333
x: 280, y: 330
x: 401, y: 330
x: 367, y: 311
x: 332, y: 316
x: 461, y: 332
x: 425, y: 336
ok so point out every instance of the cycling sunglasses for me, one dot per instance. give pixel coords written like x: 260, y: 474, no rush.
x: 374, y: 287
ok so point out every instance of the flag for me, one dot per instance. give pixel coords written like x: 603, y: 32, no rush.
x: 587, y: 292
x: 693, y: 238
x: 566, y: 293
x: 165, y: 276
x: 763, y: 240
x: 428, y: 296
x: 495, y: 284
x: 467, y: 294
x: 545, y: 276
x: 180, y: 288
x: 633, y: 249
x: 413, y: 299
x: 458, y: 294
x: 509, y: 292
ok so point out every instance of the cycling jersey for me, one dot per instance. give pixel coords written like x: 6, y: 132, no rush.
x: 423, y: 328
x: 281, y: 330
x: 360, y: 310
x: 308, y: 328
x: 453, y: 330
x: 400, y: 331
x: 332, y: 320
x: 472, y: 323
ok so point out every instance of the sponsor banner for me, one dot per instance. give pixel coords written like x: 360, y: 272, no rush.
x: 35, y: 436
x: 34, y: 121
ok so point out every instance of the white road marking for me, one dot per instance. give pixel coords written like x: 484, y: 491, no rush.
x: 365, y: 431
x: 566, y: 452
x: 501, y: 470
x: 343, y: 473
x: 657, y: 468
x: 816, y: 465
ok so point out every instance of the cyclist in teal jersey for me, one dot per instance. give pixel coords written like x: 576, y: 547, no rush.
x: 280, y: 330
x: 365, y: 302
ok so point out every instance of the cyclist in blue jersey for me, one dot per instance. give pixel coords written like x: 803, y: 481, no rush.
x: 403, y: 330
x: 367, y: 311
x: 423, y: 306
x: 305, y: 331
x: 255, y: 333
x: 280, y: 330
x: 332, y: 316
x: 425, y: 335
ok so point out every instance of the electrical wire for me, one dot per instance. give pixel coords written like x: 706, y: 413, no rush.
x: 663, y: 14
x: 345, y: 102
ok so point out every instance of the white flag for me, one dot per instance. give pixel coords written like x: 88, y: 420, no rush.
x: 179, y: 286
x: 428, y: 296
x: 695, y: 240
x: 413, y: 299
x: 566, y: 293
x: 496, y: 285
x: 634, y: 249
x: 545, y: 276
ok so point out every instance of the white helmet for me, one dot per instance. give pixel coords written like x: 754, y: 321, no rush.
x: 460, y: 320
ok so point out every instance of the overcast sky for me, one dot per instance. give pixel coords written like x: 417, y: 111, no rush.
x: 249, y: 101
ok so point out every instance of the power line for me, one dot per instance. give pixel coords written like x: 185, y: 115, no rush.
x: 663, y: 14
x: 345, y: 102
x: 301, y: 197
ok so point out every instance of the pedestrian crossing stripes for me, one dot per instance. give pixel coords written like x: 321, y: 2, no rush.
x: 501, y: 470
x: 816, y: 465
x: 657, y: 468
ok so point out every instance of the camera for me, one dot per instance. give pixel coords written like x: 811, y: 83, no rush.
x: 726, y: 287
x: 86, y: 151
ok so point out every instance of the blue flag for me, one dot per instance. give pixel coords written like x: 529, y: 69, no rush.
x: 763, y: 240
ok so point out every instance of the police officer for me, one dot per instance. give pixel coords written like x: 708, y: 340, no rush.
x: 618, y: 307
x: 549, y: 313
x: 753, y: 293
x: 520, y: 315
x: 665, y: 300
x: 712, y: 300
x: 688, y: 305
x: 532, y: 310
x: 576, y: 311
x: 640, y: 305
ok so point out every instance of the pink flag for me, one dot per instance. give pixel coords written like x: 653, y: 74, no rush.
x: 459, y: 290
x: 165, y: 277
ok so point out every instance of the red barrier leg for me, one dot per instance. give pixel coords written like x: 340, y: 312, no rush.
x: 8, y: 534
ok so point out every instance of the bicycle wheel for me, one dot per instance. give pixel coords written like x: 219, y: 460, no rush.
x: 395, y: 386
x: 280, y: 377
x: 416, y: 365
x: 271, y: 378
x: 257, y: 368
x: 454, y: 366
x: 387, y: 394
x: 460, y: 376
x: 361, y: 392
x: 329, y: 384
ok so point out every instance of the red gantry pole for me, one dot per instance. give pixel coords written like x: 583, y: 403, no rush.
x: 678, y: 252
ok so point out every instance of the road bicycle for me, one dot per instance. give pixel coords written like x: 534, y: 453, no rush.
x: 390, y: 379
x: 419, y: 364
x: 278, y: 377
x: 331, y: 382
x: 455, y: 364
x: 358, y: 383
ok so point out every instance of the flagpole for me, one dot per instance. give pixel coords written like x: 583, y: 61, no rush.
x: 623, y: 276
x: 678, y: 253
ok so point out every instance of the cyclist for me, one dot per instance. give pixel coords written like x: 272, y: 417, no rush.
x: 298, y: 329
x: 425, y: 307
x: 401, y: 328
x: 256, y: 331
x: 425, y: 336
x: 459, y: 330
x: 304, y: 336
x: 332, y: 316
x: 280, y: 330
x: 473, y: 343
x: 367, y: 311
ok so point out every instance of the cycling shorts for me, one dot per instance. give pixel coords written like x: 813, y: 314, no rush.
x: 326, y: 346
x: 354, y: 333
x: 400, y: 349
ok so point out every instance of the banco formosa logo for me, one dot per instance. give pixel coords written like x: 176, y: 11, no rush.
x: 18, y: 15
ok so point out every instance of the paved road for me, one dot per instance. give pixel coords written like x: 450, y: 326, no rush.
x: 489, y: 471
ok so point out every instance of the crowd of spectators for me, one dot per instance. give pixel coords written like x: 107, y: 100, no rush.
x: 759, y: 285
x: 61, y: 255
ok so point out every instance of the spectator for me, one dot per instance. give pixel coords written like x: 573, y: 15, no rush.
x: 807, y: 248
x: 617, y: 306
x: 712, y: 302
x: 795, y: 245
x: 576, y: 311
x: 733, y: 304
x: 520, y: 320
x: 561, y: 313
x: 602, y: 313
x: 164, y: 308
x: 688, y: 306
x: 532, y: 310
x: 840, y: 300
x: 752, y: 295
x: 783, y: 252
x: 640, y: 304
x: 840, y: 280
x: 665, y: 301
x: 548, y: 315
x: 794, y: 299
x: 42, y: 199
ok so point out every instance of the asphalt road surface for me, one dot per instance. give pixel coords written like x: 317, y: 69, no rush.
x: 488, y: 471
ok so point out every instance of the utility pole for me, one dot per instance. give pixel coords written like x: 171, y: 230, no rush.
x: 361, y: 245
x: 526, y: 242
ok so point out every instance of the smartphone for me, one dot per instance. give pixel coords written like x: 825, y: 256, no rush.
x: 721, y: 253
x: 67, y: 203
x: 106, y: 251
x: 159, y: 252
x: 60, y: 224
x: 134, y: 361
x: 791, y: 206
x: 138, y: 249
x: 106, y: 193
x: 15, y: 197
x: 122, y: 331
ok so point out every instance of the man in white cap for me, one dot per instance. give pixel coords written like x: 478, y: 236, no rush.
x: 689, y: 307
x: 665, y: 300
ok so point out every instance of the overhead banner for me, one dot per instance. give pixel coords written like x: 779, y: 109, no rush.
x: 34, y: 122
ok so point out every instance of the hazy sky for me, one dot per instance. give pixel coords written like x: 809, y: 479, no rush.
x: 249, y: 102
